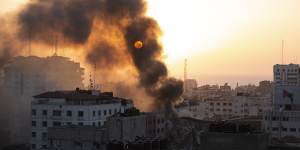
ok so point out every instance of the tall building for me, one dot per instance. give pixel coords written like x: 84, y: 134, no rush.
x: 28, y: 76
x: 79, y: 107
x: 286, y: 74
x: 24, y: 77
x: 284, y: 118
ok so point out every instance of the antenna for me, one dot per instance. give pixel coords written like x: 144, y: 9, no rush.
x: 185, y: 70
x: 55, y: 45
x: 282, y: 49
x: 29, y: 42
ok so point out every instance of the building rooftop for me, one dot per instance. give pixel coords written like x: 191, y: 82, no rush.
x: 81, y: 96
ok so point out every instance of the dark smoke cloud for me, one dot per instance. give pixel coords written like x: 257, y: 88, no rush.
x: 110, y: 28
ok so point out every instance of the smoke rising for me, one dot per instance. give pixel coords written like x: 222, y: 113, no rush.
x: 107, y: 29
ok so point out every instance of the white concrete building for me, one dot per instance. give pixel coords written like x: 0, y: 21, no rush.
x: 283, y: 120
x: 223, y: 108
x: 79, y: 107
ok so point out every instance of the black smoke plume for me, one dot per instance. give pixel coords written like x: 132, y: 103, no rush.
x: 108, y: 27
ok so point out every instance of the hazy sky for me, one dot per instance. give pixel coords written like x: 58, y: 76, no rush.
x: 223, y: 39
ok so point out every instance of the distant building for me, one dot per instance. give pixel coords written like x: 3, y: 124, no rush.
x: 79, y: 107
x: 284, y: 118
x: 286, y: 74
x: 131, y: 125
x: 189, y: 85
x: 28, y: 76
x: 222, y: 108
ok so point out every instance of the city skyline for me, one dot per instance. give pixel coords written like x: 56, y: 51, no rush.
x: 232, y: 39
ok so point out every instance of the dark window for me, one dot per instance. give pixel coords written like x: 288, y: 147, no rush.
x: 44, y: 146
x: 56, y: 113
x: 80, y: 114
x: 69, y: 123
x: 69, y: 113
x: 275, y: 129
x: 44, y: 135
x: 33, y: 134
x: 229, y: 104
x: 292, y: 129
x: 109, y: 111
x: 225, y: 104
x: 211, y: 104
x: 33, y: 112
x: 56, y: 123
x: 45, y: 124
x: 94, y: 113
x: 33, y: 123
x: 45, y: 112
x: 80, y: 123
x: 104, y: 112
x: 99, y: 113
x: 284, y: 129
x: 99, y: 124
x: 218, y: 104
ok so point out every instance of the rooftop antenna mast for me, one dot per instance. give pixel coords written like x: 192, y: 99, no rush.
x: 29, y: 42
x: 282, y: 49
x: 55, y: 45
x: 185, y: 70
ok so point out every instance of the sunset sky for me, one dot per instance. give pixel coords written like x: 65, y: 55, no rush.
x: 223, y: 40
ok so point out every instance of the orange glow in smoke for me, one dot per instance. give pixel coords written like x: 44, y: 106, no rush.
x: 138, y: 44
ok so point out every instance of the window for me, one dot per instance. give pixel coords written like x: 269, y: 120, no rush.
x: 56, y: 113
x: 225, y: 104
x: 44, y: 136
x: 69, y: 113
x: 80, y: 114
x: 292, y: 129
x: 99, y: 124
x: 94, y: 113
x: 94, y: 124
x: 218, y: 104
x: 116, y: 110
x: 211, y: 104
x: 229, y: 104
x: 99, y: 113
x: 45, y: 124
x: 69, y: 123
x: 33, y: 134
x: 284, y: 129
x: 109, y: 111
x: 56, y: 123
x: 33, y: 123
x: 33, y: 112
x: 275, y: 129
x: 104, y: 112
x: 45, y: 113
x: 80, y: 123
